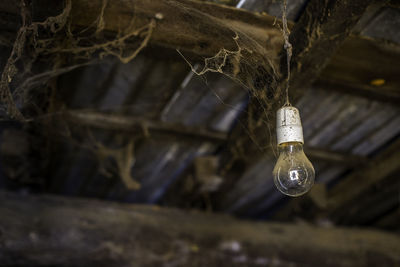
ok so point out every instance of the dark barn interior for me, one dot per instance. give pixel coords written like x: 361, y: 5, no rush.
x: 142, y: 133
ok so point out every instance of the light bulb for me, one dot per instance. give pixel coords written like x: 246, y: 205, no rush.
x: 293, y: 173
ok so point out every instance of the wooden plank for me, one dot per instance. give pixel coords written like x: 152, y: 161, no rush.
x: 59, y: 231
x: 345, y: 159
x: 358, y: 63
x: 359, y: 181
x: 364, y: 67
x: 321, y: 30
x: 202, y: 28
x: 129, y: 123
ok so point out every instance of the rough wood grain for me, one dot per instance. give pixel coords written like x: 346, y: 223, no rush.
x: 364, y: 67
x: 130, y: 123
x: 57, y: 231
x: 344, y: 193
x: 321, y: 30
x: 202, y: 28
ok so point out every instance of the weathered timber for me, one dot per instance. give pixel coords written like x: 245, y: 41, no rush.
x: 319, y: 33
x: 335, y: 156
x: 129, y: 123
x: 372, y: 204
x: 364, y: 67
x: 202, y: 28
x: 321, y: 30
x: 344, y: 193
x: 57, y: 231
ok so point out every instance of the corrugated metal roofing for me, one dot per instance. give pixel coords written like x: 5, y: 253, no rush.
x: 167, y: 91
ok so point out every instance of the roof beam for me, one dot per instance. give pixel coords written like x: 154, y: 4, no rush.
x: 202, y: 28
x: 364, y: 67
x: 359, y: 181
x: 319, y: 33
x: 60, y: 231
x: 321, y: 30
x: 129, y: 123
x: 345, y: 159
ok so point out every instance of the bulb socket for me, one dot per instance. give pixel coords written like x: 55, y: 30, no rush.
x: 288, y: 125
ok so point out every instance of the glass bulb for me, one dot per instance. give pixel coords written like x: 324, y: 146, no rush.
x: 293, y: 173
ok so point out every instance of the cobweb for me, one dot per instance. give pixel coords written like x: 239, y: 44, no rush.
x: 44, y: 50
x: 47, y: 49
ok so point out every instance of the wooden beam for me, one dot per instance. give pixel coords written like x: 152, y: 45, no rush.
x: 319, y: 33
x: 359, y: 181
x: 321, y: 30
x: 373, y: 93
x: 129, y: 123
x: 345, y: 159
x: 372, y: 205
x: 59, y: 231
x: 364, y: 67
x: 202, y: 28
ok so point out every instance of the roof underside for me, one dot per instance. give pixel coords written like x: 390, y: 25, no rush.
x: 134, y: 132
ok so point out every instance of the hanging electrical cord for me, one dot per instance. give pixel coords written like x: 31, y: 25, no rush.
x: 288, y: 47
x: 293, y: 173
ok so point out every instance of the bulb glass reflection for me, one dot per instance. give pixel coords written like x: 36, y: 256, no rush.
x: 293, y: 173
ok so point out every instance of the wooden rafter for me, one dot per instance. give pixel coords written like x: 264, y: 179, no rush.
x: 202, y: 28
x: 129, y: 124
x: 344, y: 159
x: 319, y: 33
x: 322, y: 29
x: 59, y: 231
x: 364, y: 67
x: 358, y: 182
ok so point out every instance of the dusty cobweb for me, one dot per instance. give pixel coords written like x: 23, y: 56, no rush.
x: 44, y: 50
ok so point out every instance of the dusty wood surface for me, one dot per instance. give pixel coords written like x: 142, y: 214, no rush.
x: 132, y: 124
x: 203, y: 28
x: 57, y: 231
x: 365, y: 67
x: 138, y: 124
x: 321, y: 30
x: 343, y: 194
x: 344, y: 159
x: 199, y: 27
